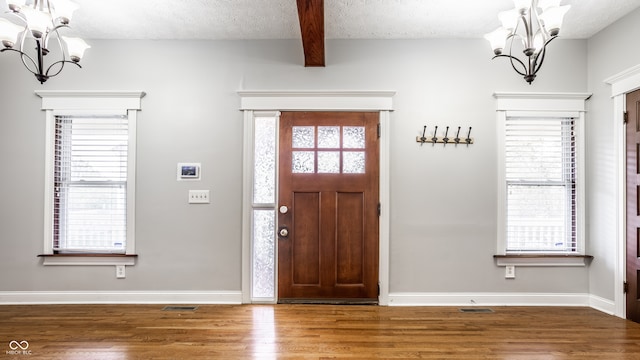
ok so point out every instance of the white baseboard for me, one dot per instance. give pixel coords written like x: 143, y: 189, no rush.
x: 123, y: 297
x: 488, y: 299
x: 602, y: 304
x: 235, y: 297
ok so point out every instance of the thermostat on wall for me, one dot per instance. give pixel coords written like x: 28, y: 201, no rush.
x: 188, y: 171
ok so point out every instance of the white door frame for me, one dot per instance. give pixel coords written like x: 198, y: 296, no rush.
x: 621, y: 84
x: 380, y: 101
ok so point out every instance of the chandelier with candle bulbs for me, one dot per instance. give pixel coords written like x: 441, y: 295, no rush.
x: 35, y: 29
x: 529, y: 28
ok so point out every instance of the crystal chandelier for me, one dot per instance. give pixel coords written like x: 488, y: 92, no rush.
x: 535, y: 23
x: 39, y: 22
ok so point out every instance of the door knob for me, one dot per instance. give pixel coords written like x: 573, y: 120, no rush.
x: 284, y: 232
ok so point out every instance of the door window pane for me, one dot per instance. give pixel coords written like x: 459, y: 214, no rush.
x: 303, y: 162
x: 328, y: 137
x: 303, y: 137
x: 329, y: 162
x: 353, y: 162
x: 353, y: 137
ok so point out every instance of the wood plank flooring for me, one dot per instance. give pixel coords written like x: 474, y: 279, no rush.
x: 122, y: 332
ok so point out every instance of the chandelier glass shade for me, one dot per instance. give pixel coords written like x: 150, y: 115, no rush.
x: 528, y: 28
x: 35, y: 29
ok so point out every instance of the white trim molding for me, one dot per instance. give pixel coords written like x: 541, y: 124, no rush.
x: 317, y: 100
x: 122, y: 297
x: 235, y: 297
x: 56, y: 102
x: 621, y: 84
x: 524, y: 104
x: 534, y: 261
x: 90, y: 100
x: 602, y: 304
x: 488, y: 299
x: 538, y: 101
x: 88, y: 260
x: 625, y: 81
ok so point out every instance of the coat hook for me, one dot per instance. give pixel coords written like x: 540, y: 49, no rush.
x: 434, y: 139
x: 423, y: 138
x: 445, y: 139
x: 457, y: 138
x: 468, y: 139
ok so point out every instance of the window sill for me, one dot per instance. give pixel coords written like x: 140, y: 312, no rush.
x: 542, y: 260
x: 88, y: 259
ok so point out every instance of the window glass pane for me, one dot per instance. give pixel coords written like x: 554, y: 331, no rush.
x: 263, y: 254
x: 96, y: 149
x: 264, y: 160
x: 540, y: 170
x: 93, y: 218
x: 328, y: 162
x: 536, y: 218
x: 303, y: 137
x: 353, y: 137
x: 90, y: 183
x: 353, y: 162
x: 534, y: 149
x: 303, y: 162
x: 328, y: 137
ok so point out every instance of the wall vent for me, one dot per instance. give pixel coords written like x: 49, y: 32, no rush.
x: 180, y: 308
x: 476, y: 310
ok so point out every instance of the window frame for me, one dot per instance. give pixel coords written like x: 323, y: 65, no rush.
x: 56, y: 103
x: 567, y: 180
x: 541, y: 105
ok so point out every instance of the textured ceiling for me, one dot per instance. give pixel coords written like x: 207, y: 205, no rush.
x: 344, y: 19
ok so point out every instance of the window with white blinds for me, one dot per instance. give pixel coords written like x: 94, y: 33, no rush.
x: 90, y: 184
x: 540, y: 173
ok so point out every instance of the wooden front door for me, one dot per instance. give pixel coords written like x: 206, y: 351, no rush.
x: 328, y: 207
x: 633, y: 205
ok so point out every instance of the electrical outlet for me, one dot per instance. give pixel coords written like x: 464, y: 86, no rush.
x: 120, y: 271
x: 510, y: 272
x: 198, y: 196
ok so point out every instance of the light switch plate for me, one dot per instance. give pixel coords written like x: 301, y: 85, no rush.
x: 198, y: 196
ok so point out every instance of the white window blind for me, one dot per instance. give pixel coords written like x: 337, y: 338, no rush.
x: 540, y: 171
x: 90, y: 184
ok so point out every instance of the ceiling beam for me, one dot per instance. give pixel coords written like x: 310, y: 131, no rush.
x: 311, y: 16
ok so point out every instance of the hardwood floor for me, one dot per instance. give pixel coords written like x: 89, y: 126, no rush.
x: 121, y: 332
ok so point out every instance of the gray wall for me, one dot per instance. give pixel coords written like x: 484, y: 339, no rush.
x: 610, y: 52
x: 443, y: 200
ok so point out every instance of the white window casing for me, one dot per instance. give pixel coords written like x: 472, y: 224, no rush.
x: 564, y: 111
x: 80, y: 108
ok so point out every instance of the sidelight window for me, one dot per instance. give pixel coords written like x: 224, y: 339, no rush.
x: 263, y: 207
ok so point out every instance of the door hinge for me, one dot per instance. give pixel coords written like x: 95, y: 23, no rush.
x: 378, y: 289
x: 625, y: 287
x: 379, y: 131
x: 379, y: 209
x: 626, y: 117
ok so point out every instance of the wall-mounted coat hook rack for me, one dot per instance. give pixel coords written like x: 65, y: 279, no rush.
x: 444, y: 139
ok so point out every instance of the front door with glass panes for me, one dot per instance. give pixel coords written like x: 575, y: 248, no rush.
x: 328, y: 207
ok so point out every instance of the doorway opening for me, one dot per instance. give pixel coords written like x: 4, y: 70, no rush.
x: 262, y: 116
